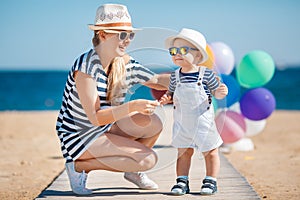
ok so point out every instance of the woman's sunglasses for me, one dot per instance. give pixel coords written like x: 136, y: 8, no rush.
x: 181, y: 50
x: 123, y: 35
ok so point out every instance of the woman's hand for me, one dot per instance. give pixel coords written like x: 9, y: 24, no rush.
x: 143, y: 106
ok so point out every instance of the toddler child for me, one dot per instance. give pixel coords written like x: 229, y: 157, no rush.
x: 191, y: 89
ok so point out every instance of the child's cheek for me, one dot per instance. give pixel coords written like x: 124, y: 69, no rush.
x: 189, y: 58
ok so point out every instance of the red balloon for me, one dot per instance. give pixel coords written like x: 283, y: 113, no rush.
x: 157, y: 94
x: 231, y: 126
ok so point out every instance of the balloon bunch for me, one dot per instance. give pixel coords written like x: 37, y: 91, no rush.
x: 239, y: 116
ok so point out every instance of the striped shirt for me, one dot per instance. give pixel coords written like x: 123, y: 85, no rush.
x: 209, y: 81
x: 74, y: 129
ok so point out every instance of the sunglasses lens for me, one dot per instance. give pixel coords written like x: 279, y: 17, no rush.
x: 122, y: 35
x: 183, y: 50
x: 173, y: 51
x: 131, y: 35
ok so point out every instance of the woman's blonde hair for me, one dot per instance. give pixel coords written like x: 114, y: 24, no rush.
x: 116, y: 76
x: 116, y: 80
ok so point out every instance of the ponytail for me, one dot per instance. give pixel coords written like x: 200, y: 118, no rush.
x: 116, y: 80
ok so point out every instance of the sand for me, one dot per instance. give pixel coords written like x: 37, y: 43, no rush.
x: 273, y: 167
x: 31, y: 156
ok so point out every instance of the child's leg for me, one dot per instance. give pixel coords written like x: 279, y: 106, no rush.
x: 212, y: 163
x: 184, y: 156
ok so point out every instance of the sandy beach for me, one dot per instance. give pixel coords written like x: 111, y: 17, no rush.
x: 32, y: 158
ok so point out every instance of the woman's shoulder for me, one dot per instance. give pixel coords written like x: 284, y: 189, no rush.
x: 87, y: 62
x: 130, y: 60
x: 86, y: 54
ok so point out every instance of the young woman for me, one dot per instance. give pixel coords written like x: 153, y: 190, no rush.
x: 97, y: 130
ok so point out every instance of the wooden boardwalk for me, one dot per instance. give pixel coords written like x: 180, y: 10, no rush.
x: 108, y: 185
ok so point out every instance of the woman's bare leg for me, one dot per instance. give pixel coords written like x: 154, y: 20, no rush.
x: 142, y: 128
x: 126, y: 147
x: 116, y: 153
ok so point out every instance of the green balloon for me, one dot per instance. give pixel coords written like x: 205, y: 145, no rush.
x: 255, y: 69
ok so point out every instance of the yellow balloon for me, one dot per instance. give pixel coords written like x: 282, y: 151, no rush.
x: 209, y: 63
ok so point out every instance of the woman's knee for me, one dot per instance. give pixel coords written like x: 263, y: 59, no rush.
x: 151, y: 123
x: 138, y: 126
x: 155, y: 127
x: 157, y: 123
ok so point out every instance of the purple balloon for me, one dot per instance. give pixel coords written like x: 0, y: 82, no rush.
x: 257, y: 104
x: 224, y: 58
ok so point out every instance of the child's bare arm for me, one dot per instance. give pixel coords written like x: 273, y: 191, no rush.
x: 221, y: 91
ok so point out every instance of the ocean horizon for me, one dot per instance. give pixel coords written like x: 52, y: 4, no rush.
x: 34, y: 90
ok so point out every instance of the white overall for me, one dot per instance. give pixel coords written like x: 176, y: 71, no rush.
x: 194, y: 124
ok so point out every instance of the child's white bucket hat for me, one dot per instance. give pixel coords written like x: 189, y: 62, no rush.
x: 192, y: 36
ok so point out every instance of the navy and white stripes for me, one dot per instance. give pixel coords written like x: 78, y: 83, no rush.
x: 209, y: 82
x: 74, y: 129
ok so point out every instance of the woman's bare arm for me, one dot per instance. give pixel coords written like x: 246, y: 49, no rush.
x: 159, y: 82
x: 86, y: 88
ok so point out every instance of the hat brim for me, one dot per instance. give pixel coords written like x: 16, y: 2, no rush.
x: 170, y: 40
x: 126, y: 28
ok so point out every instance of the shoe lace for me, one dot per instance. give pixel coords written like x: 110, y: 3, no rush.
x: 83, y: 178
x: 142, y: 175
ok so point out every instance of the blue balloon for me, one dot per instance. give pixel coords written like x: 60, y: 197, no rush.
x: 138, y: 92
x: 234, y: 91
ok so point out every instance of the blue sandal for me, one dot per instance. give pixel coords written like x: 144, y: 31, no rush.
x: 181, y: 188
x: 209, y: 187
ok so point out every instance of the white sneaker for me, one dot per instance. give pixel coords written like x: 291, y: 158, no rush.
x: 77, y: 180
x: 141, y: 180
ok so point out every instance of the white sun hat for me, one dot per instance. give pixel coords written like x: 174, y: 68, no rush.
x: 112, y: 17
x: 194, y: 37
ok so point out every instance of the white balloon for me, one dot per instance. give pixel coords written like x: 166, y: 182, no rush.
x: 236, y: 107
x: 244, y: 144
x: 254, y: 127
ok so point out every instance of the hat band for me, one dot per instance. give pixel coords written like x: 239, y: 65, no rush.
x: 115, y: 24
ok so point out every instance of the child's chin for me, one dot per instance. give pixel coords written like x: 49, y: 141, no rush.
x: 178, y: 62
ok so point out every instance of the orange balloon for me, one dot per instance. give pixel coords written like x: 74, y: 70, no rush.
x: 209, y: 63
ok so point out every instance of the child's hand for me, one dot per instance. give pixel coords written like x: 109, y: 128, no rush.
x: 165, y: 99
x: 221, y: 91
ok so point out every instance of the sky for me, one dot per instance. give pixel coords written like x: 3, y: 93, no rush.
x: 51, y: 34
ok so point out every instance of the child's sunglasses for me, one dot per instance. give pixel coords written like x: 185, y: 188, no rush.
x: 123, y: 35
x: 181, y: 50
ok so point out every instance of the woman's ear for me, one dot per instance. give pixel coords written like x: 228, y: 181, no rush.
x: 102, y: 35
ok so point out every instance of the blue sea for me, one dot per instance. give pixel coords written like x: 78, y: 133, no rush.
x: 42, y: 90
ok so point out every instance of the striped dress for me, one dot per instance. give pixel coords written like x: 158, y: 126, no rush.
x: 209, y: 82
x: 74, y: 130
